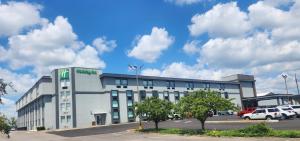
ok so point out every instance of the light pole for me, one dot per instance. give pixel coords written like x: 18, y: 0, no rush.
x: 137, y: 70
x: 297, y: 83
x: 284, y: 76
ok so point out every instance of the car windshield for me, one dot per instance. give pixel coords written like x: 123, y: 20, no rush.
x: 296, y: 107
x: 273, y: 110
x: 287, y: 109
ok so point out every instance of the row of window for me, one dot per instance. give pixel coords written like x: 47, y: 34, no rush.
x: 115, y: 106
x: 65, y: 119
x: 165, y: 95
x: 169, y: 84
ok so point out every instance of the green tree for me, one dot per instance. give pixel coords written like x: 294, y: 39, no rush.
x: 200, y: 104
x: 13, y: 122
x: 154, y: 109
x: 4, y: 125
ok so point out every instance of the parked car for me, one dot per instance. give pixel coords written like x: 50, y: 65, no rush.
x: 246, y: 111
x: 286, y: 112
x: 174, y: 116
x: 296, y: 109
x: 265, y: 113
x: 227, y: 112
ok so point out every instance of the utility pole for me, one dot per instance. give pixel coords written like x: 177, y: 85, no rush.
x: 137, y: 70
x: 284, y: 76
x: 297, y: 83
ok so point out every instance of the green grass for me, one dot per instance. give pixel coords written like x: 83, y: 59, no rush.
x: 258, y: 130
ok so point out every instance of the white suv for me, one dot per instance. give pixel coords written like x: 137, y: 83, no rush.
x: 266, y: 113
x: 286, y: 112
x: 296, y: 109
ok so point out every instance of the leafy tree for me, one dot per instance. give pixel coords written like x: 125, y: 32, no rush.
x: 13, y: 122
x: 200, y: 104
x: 155, y: 109
x: 4, y: 125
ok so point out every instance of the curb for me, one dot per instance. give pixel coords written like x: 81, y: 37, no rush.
x: 244, y: 121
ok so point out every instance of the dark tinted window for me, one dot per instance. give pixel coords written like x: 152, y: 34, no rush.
x: 296, y: 107
x: 260, y: 111
x: 273, y: 110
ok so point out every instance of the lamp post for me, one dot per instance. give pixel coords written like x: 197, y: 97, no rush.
x: 137, y: 70
x: 284, y: 76
x: 297, y: 83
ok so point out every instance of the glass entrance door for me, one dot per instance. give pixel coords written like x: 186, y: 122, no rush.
x: 100, y: 119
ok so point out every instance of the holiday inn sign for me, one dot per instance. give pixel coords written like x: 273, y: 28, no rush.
x: 85, y: 71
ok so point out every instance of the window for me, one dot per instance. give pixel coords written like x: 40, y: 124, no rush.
x: 185, y: 93
x: 115, y: 104
x: 62, y: 95
x: 170, y: 84
x: 226, y: 95
x: 273, y: 110
x: 118, y: 82
x: 129, y: 93
x: 62, y: 107
x: 142, y: 95
x: 68, y: 95
x: 155, y: 94
x: 115, y: 115
x: 148, y: 83
x: 260, y: 111
x: 68, y: 119
x: 114, y: 93
x: 123, y: 82
x: 145, y: 83
x: 129, y: 103
x: 68, y: 106
x: 190, y: 85
x: 177, y: 96
x: 296, y: 107
x: 166, y: 95
x: 207, y: 86
x: 62, y: 119
x: 130, y: 113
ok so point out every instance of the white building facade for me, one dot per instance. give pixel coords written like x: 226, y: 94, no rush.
x: 82, y: 97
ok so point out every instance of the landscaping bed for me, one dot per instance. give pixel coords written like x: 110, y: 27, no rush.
x: 258, y: 130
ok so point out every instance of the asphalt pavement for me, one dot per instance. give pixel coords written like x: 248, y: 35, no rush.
x: 184, y: 124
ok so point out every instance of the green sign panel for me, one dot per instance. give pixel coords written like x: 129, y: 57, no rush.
x: 64, y: 74
x: 84, y: 71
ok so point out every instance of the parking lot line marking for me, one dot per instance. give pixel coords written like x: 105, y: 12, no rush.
x: 188, y: 121
x: 177, y: 121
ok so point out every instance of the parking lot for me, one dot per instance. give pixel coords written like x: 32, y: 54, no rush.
x: 292, y: 124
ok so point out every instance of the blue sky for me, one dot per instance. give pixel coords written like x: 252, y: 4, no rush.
x: 203, y: 39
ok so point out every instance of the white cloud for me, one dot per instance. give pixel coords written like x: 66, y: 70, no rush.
x: 103, y: 45
x: 8, y: 107
x: 192, y: 47
x: 184, y: 2
x: 150, y: 47
x: 15, y: 16
x: 248, y: 52
x: 21, y: 82
x: 54, y: 45
x: 223, y: 20
x: 151, y: 72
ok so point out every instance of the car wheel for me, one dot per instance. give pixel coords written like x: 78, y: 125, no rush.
x: 268, y: 118
x: 247, y: 118
x: 284, y: 116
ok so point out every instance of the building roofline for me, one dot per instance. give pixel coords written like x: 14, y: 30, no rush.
x: 116, y: 75
x: 36, y: 83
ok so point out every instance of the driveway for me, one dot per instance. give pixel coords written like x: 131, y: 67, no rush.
x: 125, y: 136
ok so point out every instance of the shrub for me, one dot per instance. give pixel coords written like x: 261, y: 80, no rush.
x: 40, y: 128
x: 260, y: 129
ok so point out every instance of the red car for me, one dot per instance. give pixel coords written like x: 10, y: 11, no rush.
x: 246, y: 111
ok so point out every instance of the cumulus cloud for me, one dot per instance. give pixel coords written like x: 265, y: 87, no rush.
x: 104, y: 45
x: 8, y: 107
x: 15, y: 16
x: 149, y: 48
x: 184, y: 2
x: 192, y: 47
x: 223, y: 20
x: 54, y: 45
